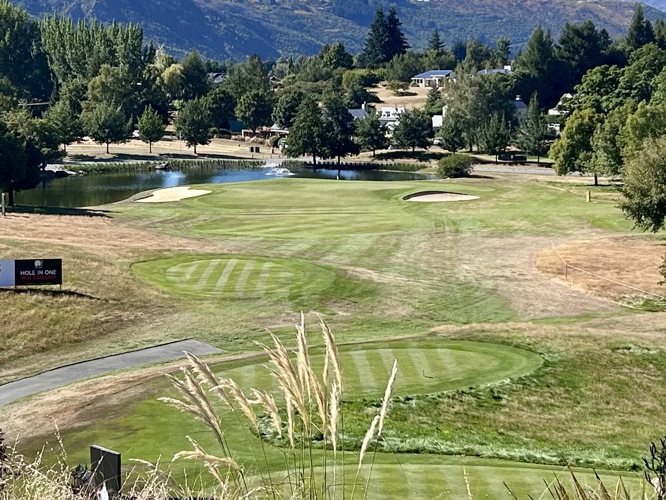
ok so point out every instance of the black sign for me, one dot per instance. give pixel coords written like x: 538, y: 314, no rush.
x: 38, y: 272
x: 105, y: 465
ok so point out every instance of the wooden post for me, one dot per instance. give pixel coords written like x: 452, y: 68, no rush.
x: 588, y: 196
x: 2, y: 202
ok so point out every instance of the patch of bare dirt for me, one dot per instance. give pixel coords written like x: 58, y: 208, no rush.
x: 617, y: 268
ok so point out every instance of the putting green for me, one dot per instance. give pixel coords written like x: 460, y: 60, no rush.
x: 234, y: 277
x: 424, y: 366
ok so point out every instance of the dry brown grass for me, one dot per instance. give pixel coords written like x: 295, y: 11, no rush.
x: 633, y: 261
x: 87, y: 149
x: 416, y: 98
x: 100, y: 295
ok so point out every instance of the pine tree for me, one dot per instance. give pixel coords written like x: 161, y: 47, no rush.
x: 533, y: 129
x: 452, y: 133
x: 397, y: 43
x: 495, y: 135
x: 435, y: 43
x: 374, y: 50
x: 640, y: 31
x: 308, y: 135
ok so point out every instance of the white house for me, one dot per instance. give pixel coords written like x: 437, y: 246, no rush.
x: 506, y: 70
x: 433, y: 78
x: 389, y: 117
x: 557, y: 110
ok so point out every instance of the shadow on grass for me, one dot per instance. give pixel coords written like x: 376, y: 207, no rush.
x: 49, y: 293
x: 18, y: 210
x: 203, y: 156
x: 407, y: 154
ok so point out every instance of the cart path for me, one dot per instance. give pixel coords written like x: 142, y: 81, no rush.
x: 80, y: 371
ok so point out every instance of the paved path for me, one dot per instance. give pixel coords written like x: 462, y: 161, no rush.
x: 79, y: 371
x: 515, y: 170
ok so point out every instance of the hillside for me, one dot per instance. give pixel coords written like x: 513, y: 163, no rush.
x: 236, y: 28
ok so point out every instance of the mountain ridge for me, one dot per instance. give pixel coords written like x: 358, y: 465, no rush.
x: 272, y: 28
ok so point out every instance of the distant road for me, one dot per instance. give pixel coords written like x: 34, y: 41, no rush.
x: 80, y: 371
x: 514, y: 170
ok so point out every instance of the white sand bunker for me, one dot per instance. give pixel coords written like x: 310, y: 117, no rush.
x: 433, y: 196
x: 173, y: 194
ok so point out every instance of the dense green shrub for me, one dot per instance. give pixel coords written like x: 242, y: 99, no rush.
x: 454, y: 166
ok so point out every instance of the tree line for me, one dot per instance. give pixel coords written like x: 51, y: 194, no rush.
x: 104, y: 81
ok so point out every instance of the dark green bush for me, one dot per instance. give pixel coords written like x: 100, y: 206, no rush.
x: 454, y: 166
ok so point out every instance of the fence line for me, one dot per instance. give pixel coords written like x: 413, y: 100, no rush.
x: 566, y: 275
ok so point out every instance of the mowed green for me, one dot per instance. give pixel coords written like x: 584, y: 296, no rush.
x: 424, y: 366
x: 234, y: 276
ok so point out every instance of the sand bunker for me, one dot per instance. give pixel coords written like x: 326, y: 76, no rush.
x: 431, y: 196
x: 173, y: 194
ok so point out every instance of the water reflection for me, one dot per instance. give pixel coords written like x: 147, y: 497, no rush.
x: 100, y: 189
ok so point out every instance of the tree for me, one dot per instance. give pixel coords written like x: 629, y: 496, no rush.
x: 580, y: 48
x: 335, y: 56
x: 607, y: 141
x: 370, y: 133
x: 646, y: 122
x: 374, y: 52
x: 254, y: 109
x: 39, y: 145
x: 287, y: 106
x: 533, y: 129
x: 435, y: 43
x: 22, y: 59
x: 308, y: 135
x: 172, y: 79
x: 472, y: 98
x: 640, y: 31
x: 452, y: 133
x: 339, y: 127
x: 113, y: 86
x: 397, y: 43
x: 66, y: 121
x: 193, y: 123
x: 195, y: 81
x: 640, y: 78
x: 434, y: 101
x: 599, y: 90
x: 573, y: 151
x: 502, y: 52
x: 221, y: 105
x: 106, y: 124
x: 495, y: 135
x: 151, y: 127
x: 13, y: 162
x: 644, y: 187
x: 537, y: 69
x: 414, y: 130
x: 403, y: 67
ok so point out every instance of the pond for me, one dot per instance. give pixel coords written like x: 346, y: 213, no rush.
x: 100, y: 189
